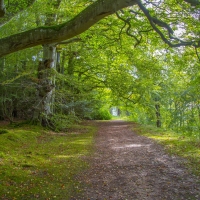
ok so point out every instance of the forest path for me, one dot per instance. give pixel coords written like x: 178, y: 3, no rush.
x: 126, y: 166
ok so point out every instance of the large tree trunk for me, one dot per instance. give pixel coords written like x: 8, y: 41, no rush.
x: 46, y: 85
x: 43, y: 108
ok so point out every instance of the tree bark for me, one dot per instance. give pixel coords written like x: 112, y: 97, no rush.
x: 46, y: 84
x: 158, y: 115
x: 53, y: 34
x: 43, y: 106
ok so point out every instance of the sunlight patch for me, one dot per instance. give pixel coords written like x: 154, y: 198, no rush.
x: 64, y: 156
x: 132, y: 146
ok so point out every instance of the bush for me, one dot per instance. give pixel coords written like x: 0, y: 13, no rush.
x: 62, y: 122
x: 102, y: 114
x: 2, y: 131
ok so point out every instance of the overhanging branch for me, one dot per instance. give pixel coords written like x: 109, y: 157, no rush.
x: 156, y: 22
x: 55, y: 34
x: 127, y: 22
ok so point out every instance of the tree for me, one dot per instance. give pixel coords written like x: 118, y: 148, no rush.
x: 85, y: 19
x: 46, y: 83
x: 121, y: 54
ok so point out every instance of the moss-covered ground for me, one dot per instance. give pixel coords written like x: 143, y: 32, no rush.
x: 40, y: 164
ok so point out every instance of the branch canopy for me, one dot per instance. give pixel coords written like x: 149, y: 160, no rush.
x: 54, y: 34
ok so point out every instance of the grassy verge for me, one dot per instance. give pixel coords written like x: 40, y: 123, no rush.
x: 181, y: 145
x: 38, y: 164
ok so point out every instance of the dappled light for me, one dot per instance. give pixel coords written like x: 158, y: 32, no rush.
x: 65, y: 156
x: 94, y: 84
x: 132, y: 146
x: 38, y: 164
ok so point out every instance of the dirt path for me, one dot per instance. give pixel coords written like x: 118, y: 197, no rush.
x: 126, y: 166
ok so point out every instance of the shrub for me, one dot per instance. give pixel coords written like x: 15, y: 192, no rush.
x: 2, y: 131
x: 62, y: 122
x: 102, y: 114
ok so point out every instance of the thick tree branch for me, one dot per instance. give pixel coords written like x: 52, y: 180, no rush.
x: 154, y: 21
x: 54, y: 34
x: 127, y: 21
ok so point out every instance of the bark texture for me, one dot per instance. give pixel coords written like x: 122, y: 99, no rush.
x: 46, y: 84
x: 43, y: 106
x: 48, y: 35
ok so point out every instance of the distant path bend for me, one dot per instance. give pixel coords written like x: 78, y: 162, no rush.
x: 126, y: 166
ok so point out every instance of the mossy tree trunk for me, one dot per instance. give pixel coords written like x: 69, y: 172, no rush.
x: 43, y: 108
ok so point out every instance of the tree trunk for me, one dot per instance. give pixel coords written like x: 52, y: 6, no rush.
x: 46, y: 79
x: 43, y: 108
x: 158, y: 115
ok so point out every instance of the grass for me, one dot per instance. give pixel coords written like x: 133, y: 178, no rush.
x: 120, y: 118
x: 39, y: 164
x: 184, y: 146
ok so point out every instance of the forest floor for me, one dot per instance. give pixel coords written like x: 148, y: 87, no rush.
x: 128, y: 166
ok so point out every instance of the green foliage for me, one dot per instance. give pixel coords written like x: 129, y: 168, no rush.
x: 118, y: 61
x: 64, y: 122
x: 3, y: 131
x: 102, y: 114
x: 37, y: 164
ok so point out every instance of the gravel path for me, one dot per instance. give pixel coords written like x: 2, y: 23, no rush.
x: 126, y: 166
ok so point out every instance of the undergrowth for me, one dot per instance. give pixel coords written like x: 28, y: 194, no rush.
x: 40, y: 164
x: 182, y: 145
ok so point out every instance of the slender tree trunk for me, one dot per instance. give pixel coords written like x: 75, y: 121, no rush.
x: 158, y: 115
x: 198, y: 110
x: 70, y: 71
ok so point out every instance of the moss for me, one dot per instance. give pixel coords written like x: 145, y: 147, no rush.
x: 40, y: 164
